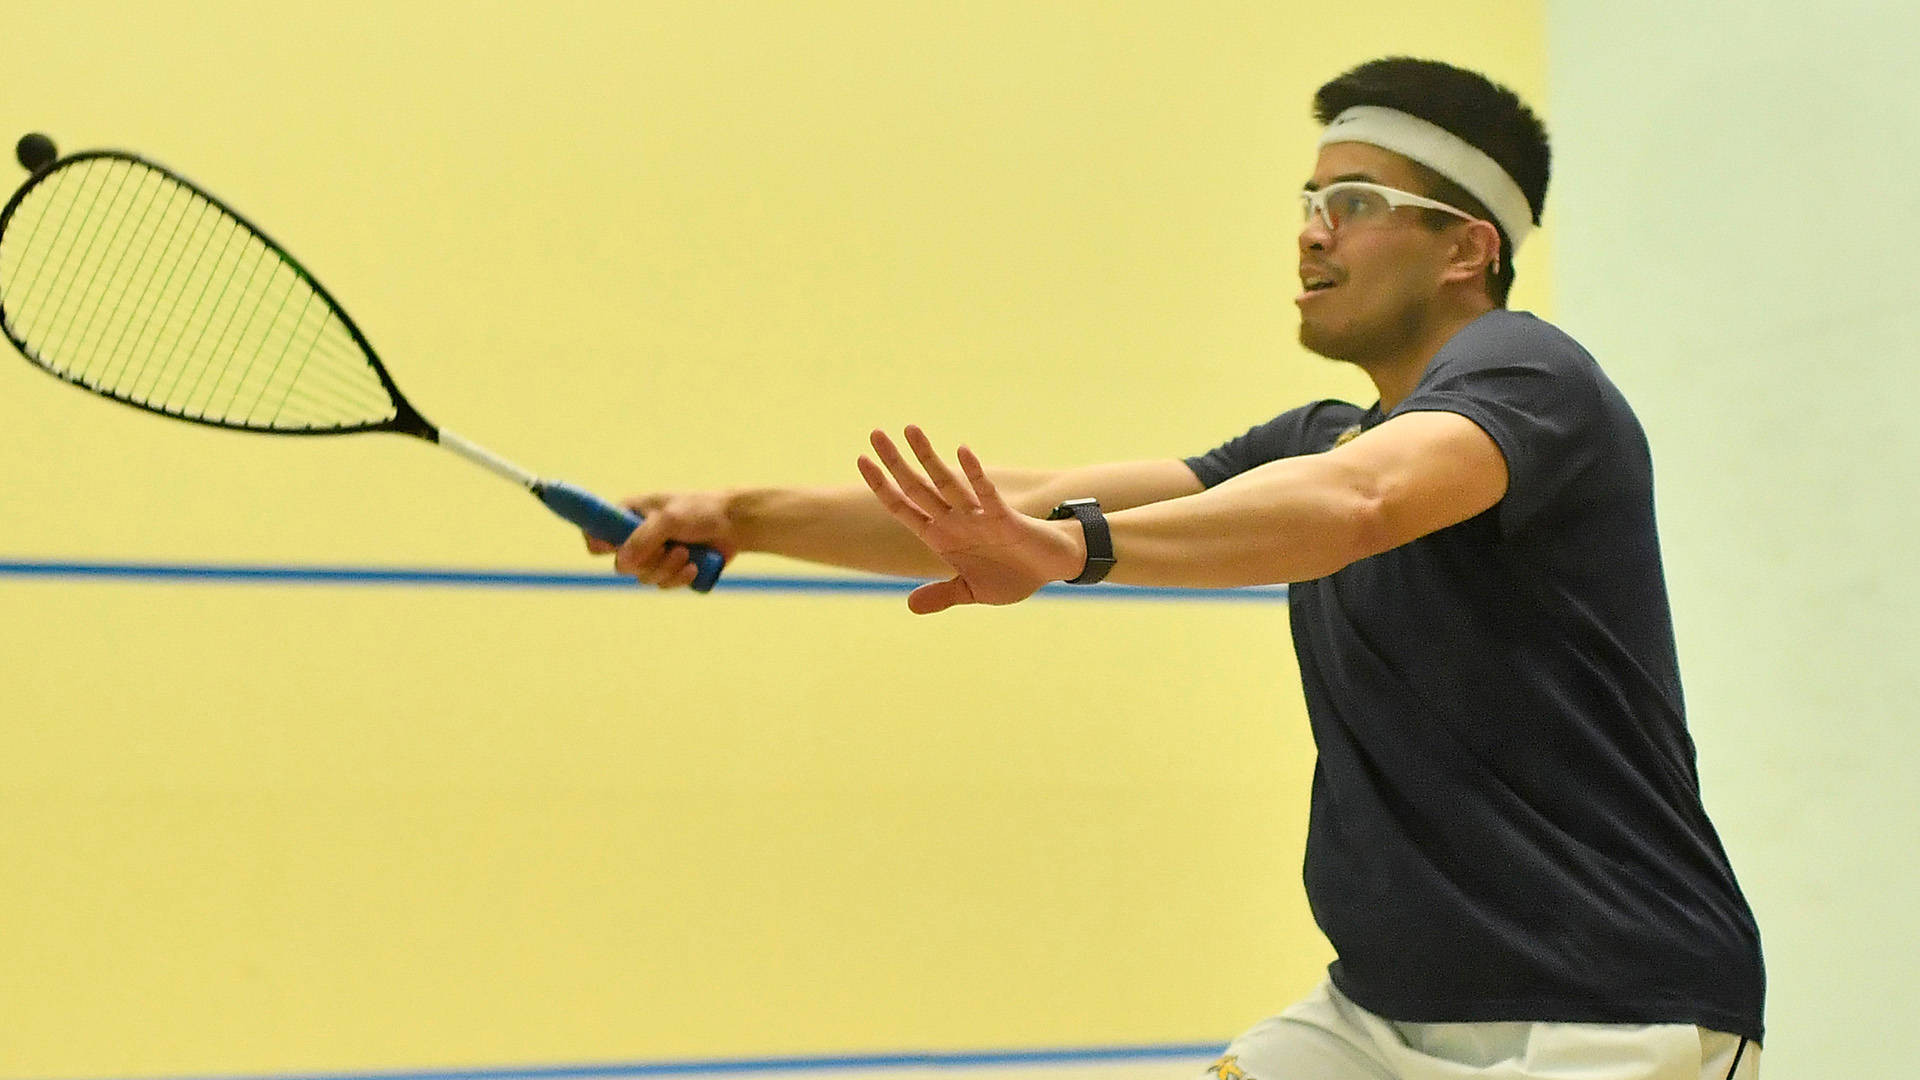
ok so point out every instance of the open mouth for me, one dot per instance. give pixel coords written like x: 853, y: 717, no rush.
x: 1313, y: 285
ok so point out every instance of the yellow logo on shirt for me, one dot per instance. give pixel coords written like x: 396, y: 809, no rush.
x: 1228, y: 1068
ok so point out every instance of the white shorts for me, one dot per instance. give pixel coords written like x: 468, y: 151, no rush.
x: 1328, y: 1037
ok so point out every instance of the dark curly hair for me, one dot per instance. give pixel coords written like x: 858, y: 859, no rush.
x: 1478, y: 110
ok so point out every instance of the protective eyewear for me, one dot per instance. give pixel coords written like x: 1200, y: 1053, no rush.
x: 1367, y: 205
x: 1361, y: 203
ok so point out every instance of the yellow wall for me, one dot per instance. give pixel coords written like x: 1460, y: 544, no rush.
x: 247, y: 828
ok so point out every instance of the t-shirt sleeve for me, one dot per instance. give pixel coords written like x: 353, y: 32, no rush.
x: 1539, y: 400
x: 1290, y: 434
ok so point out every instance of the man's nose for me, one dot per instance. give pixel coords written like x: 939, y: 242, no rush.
x: 1314, y: 234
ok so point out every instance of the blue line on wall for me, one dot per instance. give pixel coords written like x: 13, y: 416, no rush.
x: 766, y: 1066
x: 234, y: 573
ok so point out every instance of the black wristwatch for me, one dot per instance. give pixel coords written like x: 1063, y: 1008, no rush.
x: 1099, y: 539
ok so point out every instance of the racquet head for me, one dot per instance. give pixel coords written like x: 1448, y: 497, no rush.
x: 121, y: 277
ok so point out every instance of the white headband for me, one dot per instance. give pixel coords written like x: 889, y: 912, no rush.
x: 1443, y: 152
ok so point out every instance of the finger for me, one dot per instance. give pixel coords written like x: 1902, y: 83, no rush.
x: 944, y: 480
x: 983, y: 487
x: 685, y: 577
x: 642, y: 549
x: 890, y: 496
x: 673, y: 562
x: 912, y: 484
x: 939, y: 596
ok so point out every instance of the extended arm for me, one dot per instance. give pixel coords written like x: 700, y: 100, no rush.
x: 845, y: 527
x: 1290, y: 520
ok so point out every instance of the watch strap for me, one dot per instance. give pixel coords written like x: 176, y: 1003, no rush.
x: 1093, y: 524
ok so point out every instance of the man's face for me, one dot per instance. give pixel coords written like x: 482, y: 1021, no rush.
x: 1384, y: 275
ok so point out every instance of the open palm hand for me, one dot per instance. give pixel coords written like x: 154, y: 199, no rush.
x: 998, y: 555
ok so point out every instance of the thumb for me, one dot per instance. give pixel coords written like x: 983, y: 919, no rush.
x: 939, y: 596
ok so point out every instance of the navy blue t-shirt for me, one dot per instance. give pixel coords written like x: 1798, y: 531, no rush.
x: 1506, y: 819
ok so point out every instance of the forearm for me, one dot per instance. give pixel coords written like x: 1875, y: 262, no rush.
x: 840, y: 526
x: 847, y: 527
x: 1293, y: 520
x: 1118, y: 485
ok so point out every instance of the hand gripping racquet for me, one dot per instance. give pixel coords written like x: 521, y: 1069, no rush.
x: 121, y: 277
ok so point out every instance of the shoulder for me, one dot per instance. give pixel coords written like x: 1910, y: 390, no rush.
x: 1516, y: 360
x: 1508, y: 339
x: 1545, y: 402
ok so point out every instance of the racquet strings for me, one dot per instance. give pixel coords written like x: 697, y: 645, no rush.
x: 119, y: 277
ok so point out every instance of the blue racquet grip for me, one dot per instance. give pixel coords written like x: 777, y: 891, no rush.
x: 605, y: 521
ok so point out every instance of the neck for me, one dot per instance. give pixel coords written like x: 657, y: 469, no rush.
x: 1396, y: 374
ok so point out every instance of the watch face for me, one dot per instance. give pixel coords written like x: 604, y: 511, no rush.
x: 1066, y: 509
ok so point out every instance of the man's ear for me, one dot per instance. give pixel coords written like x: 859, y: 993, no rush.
x: 1476, y: 253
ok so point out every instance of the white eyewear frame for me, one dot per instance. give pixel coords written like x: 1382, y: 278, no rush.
x: 1358, y: 201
